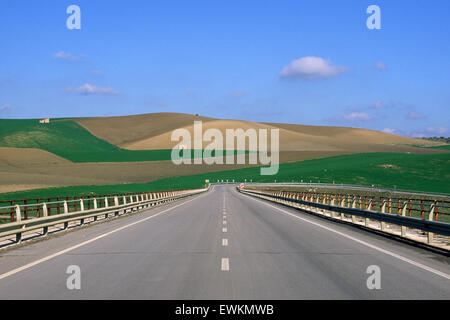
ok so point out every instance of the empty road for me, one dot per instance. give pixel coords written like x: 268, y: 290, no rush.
x: 221, y: 245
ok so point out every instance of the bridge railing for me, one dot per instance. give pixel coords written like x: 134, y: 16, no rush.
x: 353, y: 208
x: 66, y: 211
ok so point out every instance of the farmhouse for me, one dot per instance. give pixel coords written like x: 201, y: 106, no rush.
x: 47, y: 120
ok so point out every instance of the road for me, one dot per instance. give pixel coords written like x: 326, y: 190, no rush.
x: 222, y: 245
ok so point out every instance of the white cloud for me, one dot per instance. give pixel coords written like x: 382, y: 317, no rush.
x: 389, y: 130
x: 418, y: 135
x: 5, y: 107
x: 438, y: 130
x: 88, y: 89
x: 311, y: 68
x: 377, y: 104
x: 414, y: 115
x: 380, y: 66
x: 65, y: 56
x: 98, y: 72
x: 357, y: 116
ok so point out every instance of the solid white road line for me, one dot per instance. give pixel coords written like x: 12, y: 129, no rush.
x: 32, y: 264
x: 225, y: 264
x: 224, y: 242
x: 390, y: 253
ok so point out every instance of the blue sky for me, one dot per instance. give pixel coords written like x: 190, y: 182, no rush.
x: 231, y: 59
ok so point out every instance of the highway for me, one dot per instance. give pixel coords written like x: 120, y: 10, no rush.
x: 222, y: 245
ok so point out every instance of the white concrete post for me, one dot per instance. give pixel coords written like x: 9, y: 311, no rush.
x: 18, y: 214
x: 18, y: 219
x: 66, y: 210
x: 354, y: 207
x: 405, y: 207
x: 383, y: 210
x: 45, y: 210
x: 45, y: 214
x: 431, y: 218
x: 366, y: 220
x: 116, y: 204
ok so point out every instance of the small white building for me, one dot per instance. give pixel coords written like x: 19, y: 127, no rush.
x: 47, y: 120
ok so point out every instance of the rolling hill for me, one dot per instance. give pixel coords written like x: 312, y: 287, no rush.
x: 136, y: 149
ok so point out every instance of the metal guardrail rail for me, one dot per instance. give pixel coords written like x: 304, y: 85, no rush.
x: 123, y: 204
x: 351, y: 187
x: 328, y: 204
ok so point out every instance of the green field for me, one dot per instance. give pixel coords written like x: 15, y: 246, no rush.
x: 69, y: 140
x: 415, y: 172
x: 446, y: 147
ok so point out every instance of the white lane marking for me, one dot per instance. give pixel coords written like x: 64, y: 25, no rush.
x: 224, y: 230
x: 224, y: 242
x: 32, y: 264
x: 390, y: 253
x: 224, y: 222
x: 225, y: 264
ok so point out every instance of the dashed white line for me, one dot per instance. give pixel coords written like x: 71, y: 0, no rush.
x: 225, y: 242
x: 224, y: 230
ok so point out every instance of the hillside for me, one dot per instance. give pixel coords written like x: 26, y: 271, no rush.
x: 153, y: 132
x: 136, y: 149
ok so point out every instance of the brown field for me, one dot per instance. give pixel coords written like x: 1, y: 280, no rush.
x: 123, y: 130
x: 153, y: 131
x: 23, y: 169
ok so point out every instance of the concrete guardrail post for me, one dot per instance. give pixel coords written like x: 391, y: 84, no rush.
x: 95, y: 207
x: 44, y: 214
x: 431, y: 218
x: 116, y: 204
x: 66, y: 210
x: 106, y: 206
x: 383, y: 210
x: 405, y: 207
x: 81, y: 209
x: 366, y: 220
x: 354, y: 207
x: 18, y: 219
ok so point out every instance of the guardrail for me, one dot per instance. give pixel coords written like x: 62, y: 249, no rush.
x: 32, y: 209
x: 350, y: 187
x: 105, y: 206
x: 339, y: 208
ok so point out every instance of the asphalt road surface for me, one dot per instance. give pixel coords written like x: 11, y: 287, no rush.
x: 222, y: 245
